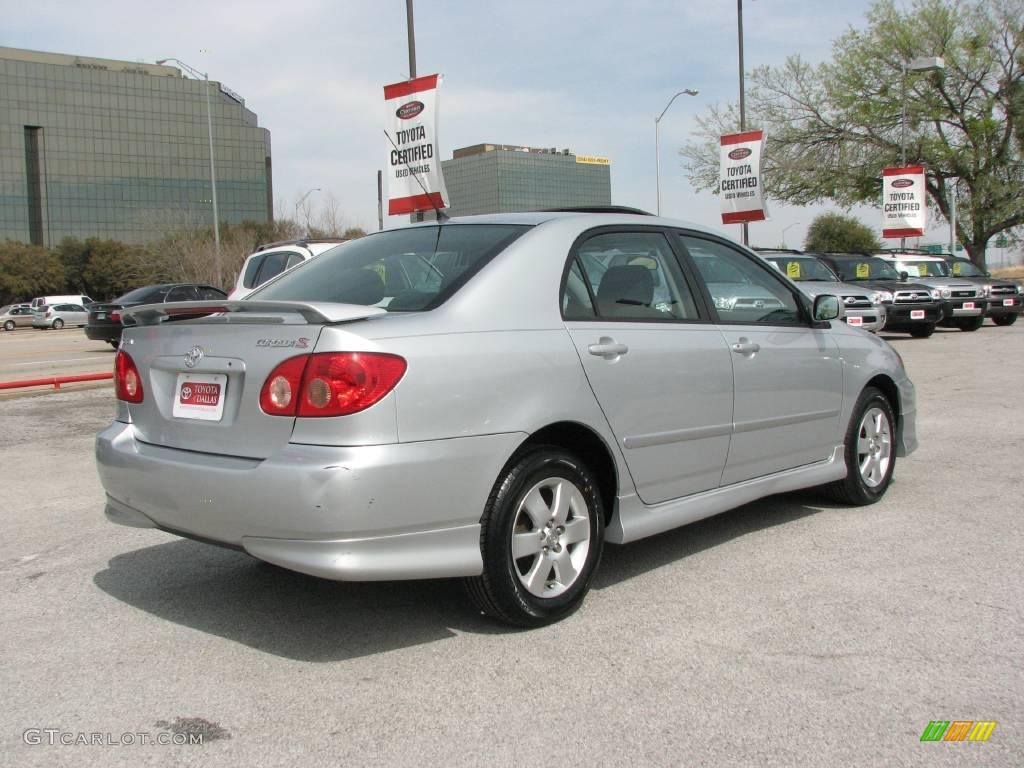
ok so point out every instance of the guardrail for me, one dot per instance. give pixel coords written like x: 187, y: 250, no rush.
x: 55, y: 381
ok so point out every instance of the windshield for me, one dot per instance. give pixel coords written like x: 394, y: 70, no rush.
x: 401, y: 270
x: 966, y: 269
x: 803, y: 268
x: 147, y: 295
x: 924, y: 268
x: 852, y: 270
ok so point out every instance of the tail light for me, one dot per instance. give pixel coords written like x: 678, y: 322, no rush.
x: 115, y: 317
x: 127, y: 382
x: 330, y: 383
x: 47, y: 313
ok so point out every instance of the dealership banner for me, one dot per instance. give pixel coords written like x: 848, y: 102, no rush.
x: 415, y: 182
x: 904, y: 207
x: 742, y: 194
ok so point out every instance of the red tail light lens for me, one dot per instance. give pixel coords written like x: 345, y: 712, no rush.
x: 115, y: 317
x: 127, y: 382
x: 330, y: 383
x: 280, y: 393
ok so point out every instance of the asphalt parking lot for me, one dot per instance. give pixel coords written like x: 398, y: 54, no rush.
x: 788, y: 632
x: 30, y: 353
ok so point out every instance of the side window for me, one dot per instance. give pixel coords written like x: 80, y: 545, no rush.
x: 295, y: 258
x: 209, y: 294
x: 273, y: 265
x: 576, y: 302
x: 742, y: 290
x: 633, y: 276
x: 249, y: 279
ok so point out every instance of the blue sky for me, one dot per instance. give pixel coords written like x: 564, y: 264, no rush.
x: 590, y: 76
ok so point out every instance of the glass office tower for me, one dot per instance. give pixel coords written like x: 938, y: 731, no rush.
x: 120, y: 150
x: 498, y: 178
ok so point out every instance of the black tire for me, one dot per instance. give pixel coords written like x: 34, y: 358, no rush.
x: 854, y: 489
x: 58, y: 324
x: 970, y: 324
x: 922, y: 331
x: 9, y: 325
x: 1004, y: 319
x: 501, y: 590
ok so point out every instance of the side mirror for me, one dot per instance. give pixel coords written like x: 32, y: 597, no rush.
x: 904, y: 276
x: 827, y: 307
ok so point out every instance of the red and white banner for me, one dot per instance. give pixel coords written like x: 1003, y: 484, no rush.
x: 415, y: 181
x: 740, y: 190
x: 904, y: 206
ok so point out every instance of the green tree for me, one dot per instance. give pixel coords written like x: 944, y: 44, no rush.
x: 27, y: 271
x: 833, y: 127
x: 836, y: 232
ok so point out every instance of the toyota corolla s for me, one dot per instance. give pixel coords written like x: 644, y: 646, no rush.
x: 493, y: 398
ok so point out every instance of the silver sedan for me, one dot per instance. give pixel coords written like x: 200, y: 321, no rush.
x: 58, y: 315
x: 494, y: 398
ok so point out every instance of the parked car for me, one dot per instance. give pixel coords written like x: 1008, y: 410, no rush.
x: 1005, y: 297
x: 271, y: 259
x: 862, y: 307
x: 374, y: 416
x: 56, y: 316
x: 964, y: 302
x: 105, y: 319
x: 909, y: 306
x: 72, y: 298
x: 15, y: 316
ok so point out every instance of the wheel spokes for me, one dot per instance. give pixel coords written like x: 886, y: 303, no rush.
x: 526, y: 544
x: 565, y: 571
x: 576, y: 530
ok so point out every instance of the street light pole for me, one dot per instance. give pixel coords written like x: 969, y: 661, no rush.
x: 213, y: 173
x: 784, y: 232
x: 657, y: 149
x: 301, y: 201
x: 920, y: 64
x: 743, y: 97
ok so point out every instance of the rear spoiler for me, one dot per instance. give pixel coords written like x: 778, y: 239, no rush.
x: 312, y: 313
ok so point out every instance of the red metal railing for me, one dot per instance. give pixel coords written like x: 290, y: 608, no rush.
x: 55, y: 381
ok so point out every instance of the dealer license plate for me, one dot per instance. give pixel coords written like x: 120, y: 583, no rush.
x: 968, y: 305
x: 855, y: 320
x: 917, y: 314
x: 101, y: 315
x: 200, y: 396
x: 1007, y: 302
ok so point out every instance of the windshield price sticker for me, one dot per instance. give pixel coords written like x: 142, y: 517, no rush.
x: 957, y: 268
x: 200, y: 396
x: 863, y: 271
x: 793, y: 270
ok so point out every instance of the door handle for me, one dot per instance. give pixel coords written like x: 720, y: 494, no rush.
x: 607, y: 348
x: 745, y: 346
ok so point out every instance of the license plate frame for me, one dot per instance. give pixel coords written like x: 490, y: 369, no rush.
x: 1007, y: 302
x: 917, y: 314
x: 968, y: 305
x: 855, y: 321
x: 101, y: 315
x: 199, y: 389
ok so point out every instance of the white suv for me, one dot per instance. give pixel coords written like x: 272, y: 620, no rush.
x: 271, y: 259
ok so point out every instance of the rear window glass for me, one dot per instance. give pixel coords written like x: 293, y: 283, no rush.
x: 400, y: 270
x: 147, y: 295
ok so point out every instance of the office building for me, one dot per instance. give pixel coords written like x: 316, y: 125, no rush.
x: 117, y: 149
x: 499, y: 178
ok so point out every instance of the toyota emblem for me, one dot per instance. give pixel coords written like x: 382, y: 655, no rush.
x: 193, y: 356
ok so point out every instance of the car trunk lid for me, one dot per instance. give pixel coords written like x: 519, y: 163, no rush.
x: 202, y: 374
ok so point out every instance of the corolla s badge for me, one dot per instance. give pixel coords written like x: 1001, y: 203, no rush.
x: 193, y: 356
x: 300, y: 343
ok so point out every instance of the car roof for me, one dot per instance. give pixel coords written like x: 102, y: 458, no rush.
x: 591, y: 217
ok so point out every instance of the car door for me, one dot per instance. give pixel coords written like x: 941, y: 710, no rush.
x: 788, y: 375
x: 76, y: 314
x: 658, y: 366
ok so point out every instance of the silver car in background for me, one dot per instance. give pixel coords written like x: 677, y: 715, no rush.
x: 494, y: 398
x: 862, y: 308
x: 56, y: 316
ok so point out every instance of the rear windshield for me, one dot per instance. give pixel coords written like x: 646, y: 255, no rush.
x: 147, y: 295
x: 401, y: 270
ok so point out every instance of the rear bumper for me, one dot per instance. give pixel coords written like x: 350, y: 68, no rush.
x: 104, y: 332
x: 400, y: 511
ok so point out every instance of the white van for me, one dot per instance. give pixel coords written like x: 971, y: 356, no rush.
x: 40, y: 301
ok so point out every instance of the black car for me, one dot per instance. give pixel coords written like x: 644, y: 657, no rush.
x: 104, y: 322
x: 910, y: 307
x: 1005, y: 299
